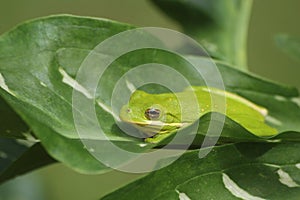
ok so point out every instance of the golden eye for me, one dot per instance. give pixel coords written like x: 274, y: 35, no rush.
x: 152, y: 113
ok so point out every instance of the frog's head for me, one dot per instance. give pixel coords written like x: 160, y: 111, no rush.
x: 152, y: 113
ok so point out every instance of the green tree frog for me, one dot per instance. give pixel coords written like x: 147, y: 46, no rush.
x: 159, y: 114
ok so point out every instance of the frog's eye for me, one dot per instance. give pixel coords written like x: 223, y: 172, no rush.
x: 152, y: 113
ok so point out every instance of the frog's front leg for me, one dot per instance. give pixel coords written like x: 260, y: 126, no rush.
x: 157, y: 138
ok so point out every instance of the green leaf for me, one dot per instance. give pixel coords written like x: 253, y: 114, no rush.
x: 220, y: 26
x: 40, y: 96
x: 290, y: 45
x: 53, y: 48
x: 240, y: 171
x: 18, y: 157
x: 12, y: 126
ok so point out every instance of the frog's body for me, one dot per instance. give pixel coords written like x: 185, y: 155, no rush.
x: 160, y: 114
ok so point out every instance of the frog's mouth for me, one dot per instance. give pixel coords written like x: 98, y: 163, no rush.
x: 151, y: 128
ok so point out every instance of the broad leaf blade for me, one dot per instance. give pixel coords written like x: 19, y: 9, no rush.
x: 266, y: 171
x: 41, y: 97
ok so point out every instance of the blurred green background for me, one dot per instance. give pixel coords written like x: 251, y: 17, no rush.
x: 269, y: 17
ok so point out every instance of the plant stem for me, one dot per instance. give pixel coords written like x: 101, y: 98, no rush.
x: 240, y: 42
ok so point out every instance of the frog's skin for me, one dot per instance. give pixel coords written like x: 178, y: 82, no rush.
x: 158, y: 115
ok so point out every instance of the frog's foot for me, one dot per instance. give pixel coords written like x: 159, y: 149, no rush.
x: 157, y: 138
